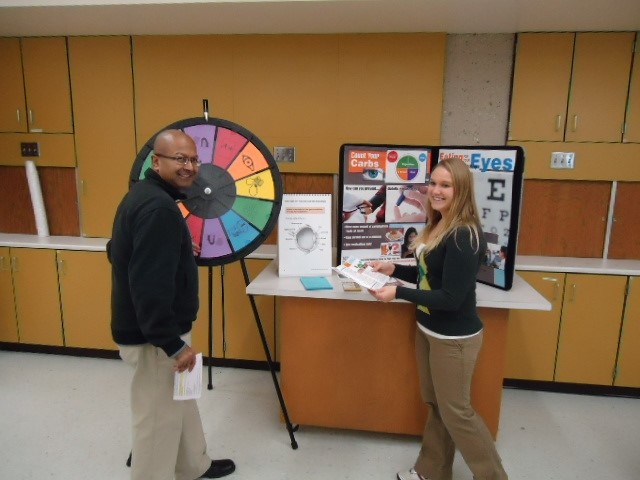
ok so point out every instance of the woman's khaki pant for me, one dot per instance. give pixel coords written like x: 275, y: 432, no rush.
x: 445, y: 368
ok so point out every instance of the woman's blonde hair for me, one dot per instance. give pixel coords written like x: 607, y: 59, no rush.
x: 463, y: 210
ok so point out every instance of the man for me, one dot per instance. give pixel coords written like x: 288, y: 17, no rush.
x: 154, y: 302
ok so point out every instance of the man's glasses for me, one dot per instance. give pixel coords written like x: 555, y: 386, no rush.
x: 195, y: 161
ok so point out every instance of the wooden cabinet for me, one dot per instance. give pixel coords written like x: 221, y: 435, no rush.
x: 628, y: 368
x: 8, y: 321
x: 35, y: 100
x: 632, y: 120
x: 37, y: 300
x: 102, y: 83
x: 533, y: 335
x: 200, y: 332
x: 599, y: 86
x: 235, y: 334
x: 46, y: 81
x: 241, y: 335
x: 35, y: 95
x: 13, y: 114
x: 590, y: 328
x: 541, y: 78
x: 590, y: 336
x: 587, y: 77
x: 85, y: 296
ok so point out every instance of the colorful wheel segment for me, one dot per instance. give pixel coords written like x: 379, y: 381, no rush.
x: 233, y: 205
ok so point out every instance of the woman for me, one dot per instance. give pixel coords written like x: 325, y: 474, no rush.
x: 409, y: 241
x: 449, y: 252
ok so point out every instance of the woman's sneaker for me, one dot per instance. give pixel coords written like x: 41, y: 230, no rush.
x: 410, y: 475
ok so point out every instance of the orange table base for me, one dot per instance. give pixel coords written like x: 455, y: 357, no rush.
x: 351, y: 364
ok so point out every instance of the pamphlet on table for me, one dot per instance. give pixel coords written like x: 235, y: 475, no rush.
x: 363, y: 274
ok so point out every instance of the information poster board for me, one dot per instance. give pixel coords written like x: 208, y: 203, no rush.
x: 497, y: 174
x: 380, y: 191
x: 383, y: 190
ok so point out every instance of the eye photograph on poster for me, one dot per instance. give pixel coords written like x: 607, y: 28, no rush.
x: 383, y: 193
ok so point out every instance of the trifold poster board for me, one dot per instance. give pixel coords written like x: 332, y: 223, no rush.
x: 383, y: 189
x: 304, y: 235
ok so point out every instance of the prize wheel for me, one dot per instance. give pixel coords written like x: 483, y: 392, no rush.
x: 233, y: 204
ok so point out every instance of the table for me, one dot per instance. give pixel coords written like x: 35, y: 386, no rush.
x: 348, y: 361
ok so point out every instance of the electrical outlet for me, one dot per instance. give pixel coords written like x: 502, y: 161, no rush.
x: 30, y: 149
x: 563, y: 159
x: 284, y: 154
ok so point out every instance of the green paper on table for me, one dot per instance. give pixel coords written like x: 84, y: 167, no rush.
x: 316, y: 283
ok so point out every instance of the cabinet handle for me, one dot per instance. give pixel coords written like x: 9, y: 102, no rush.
x: 558, y: 119
x: 30, y: 117
x: 575, y: 123
x: 14, y: 264
x: 2, y: 267
x: 556, y: 286
x: 573, y: 293
x: 18, y: 114
x: 62, y: 269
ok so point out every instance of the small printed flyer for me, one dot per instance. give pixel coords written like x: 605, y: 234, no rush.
x: 187, y: 385
x: 361, y: 273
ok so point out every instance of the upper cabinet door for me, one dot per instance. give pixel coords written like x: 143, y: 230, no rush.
x: 632, y: 121
x: 599, y: 86
x: 46, y: 79
x: 102, y: 84
x: 541, y: 86
x: 13, y: 115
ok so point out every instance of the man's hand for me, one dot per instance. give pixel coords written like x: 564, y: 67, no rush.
x: 185, y: 361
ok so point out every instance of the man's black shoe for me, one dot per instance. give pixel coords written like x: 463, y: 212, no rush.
x: 219, y: 468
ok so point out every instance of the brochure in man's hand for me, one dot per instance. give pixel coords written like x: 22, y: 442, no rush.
x: 361, y: 273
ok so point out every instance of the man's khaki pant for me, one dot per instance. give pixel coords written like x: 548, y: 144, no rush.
x: 167, y: 434
x: 445, y: 368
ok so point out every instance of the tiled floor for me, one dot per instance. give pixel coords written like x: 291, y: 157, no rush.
x: 67, y: 418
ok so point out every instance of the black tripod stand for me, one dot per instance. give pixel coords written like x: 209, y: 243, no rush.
x: 290, y: 428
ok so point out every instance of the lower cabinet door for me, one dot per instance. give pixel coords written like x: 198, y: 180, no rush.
x: 533, y: 335
x: 628, y: 368
x: 590, y: 328
x: 85, y: 293
x: 37, y: 298
x: 8, y: 321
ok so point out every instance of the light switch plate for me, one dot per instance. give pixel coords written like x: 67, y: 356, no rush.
x: 30, y: 149
x: 284, y: 154
x: 563, y: 160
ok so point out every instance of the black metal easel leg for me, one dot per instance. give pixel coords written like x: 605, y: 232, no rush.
x: 210, y: 385
x: 256, y: 314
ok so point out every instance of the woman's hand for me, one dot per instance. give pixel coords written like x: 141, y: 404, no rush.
x: 384, y: 294
x: 386, y: 268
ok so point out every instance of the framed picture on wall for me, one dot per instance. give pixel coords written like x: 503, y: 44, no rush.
x: 382, y: 187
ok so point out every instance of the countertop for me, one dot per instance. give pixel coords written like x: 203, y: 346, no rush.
x: 269, y: 252
x: 522, y: 296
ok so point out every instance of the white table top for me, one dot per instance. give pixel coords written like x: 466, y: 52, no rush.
x: 269, y: 252
x: 17, y: 240
x: 20, y: 240
x: 578, y: 265
x: 522, y: 296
